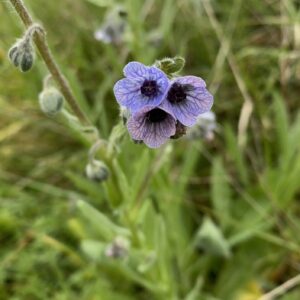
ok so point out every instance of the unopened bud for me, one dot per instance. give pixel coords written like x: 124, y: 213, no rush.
x: 13, y: 54
x: 180, y: 131
x: 179, y: 63
x: 97, y: 170
x: 51, y: 101
x: 26, y: 61
x: 171, y: 65
x: 118, y: 248
x: 124, y: 114
x: 21, y: 54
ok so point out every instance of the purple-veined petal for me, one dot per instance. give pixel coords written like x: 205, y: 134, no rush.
x: 135, y: 69
x: 192, y: 80
x: 183, y: 115
x: 154, y: 140
x: 153, y: 134
x: 144, y: 101
x: 159, y: 133
x: 198, y: 100
x: 127, y: 92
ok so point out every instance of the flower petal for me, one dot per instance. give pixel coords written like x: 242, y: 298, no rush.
x: 159, y: 77
x: 136, y: 123
x: 127, y: 92
x: 154, y: 139
x: 184, y: 116
x: 135, y: 69
x: 158, y: 133
x: 153, y: 134
x: 192, y: 80
x: 198, y: 100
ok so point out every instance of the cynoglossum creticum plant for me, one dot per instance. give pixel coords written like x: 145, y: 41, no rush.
x: 260, y: 257
x: 132, y: 217
x: 161, y: 103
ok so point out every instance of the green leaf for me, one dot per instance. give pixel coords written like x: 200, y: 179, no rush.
x: 220, y: 192
x: 282, y: 123
x: 101, y: 223
x: 93, y: 249
x: 236, y: 154
x: 101, y: 3
x: 116, y: 135
x: 211, y: 240
x: 194, y: 294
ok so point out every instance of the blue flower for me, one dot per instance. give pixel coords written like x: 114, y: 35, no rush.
x: 152, y: 125
x: 143, y: 86
x: 187, y: 98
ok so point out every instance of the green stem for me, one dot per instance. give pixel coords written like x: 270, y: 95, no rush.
x: 42, y: 46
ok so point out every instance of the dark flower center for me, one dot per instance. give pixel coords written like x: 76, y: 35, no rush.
x: 156, y: 115
x: 149, y: 88
x: 177, y: 93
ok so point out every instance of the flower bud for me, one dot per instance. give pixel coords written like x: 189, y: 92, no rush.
x: 21, y: 54
x: 97, y: 170
x: 51, y: 101
x: 179, y: 63
x: 124, y: 114
x: 13, y: 55
x: 118, y: 248
x: 180, y: 131
x: 26, y: 61
x: 171, y: 65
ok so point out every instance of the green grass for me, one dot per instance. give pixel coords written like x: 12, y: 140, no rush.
x: 206, y: 221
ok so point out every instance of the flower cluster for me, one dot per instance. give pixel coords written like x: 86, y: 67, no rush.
x: 113, y: 28
x: 159, y: 106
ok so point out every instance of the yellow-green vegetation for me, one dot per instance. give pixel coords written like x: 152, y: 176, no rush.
x: 195, y: 220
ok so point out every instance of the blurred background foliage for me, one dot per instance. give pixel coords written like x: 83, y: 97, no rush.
x: 205, y: 220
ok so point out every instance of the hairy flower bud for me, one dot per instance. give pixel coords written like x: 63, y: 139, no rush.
x: 51, y: 101
x: 180, y: 131
x: 21, y: 54
x: 171, y: 65
x: 26, y: 61
x: 97, y: 170
x: 124, y: 114
x: 13, y: 55
x: 118, y: 248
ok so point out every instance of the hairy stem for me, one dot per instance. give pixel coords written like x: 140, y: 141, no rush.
x: 58, y: 77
